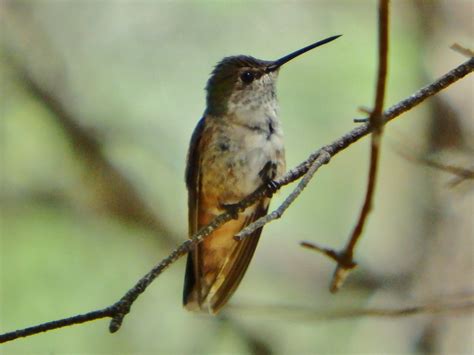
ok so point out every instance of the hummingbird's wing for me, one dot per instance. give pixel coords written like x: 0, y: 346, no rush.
x: 191, y: 278
x: 217, y: 265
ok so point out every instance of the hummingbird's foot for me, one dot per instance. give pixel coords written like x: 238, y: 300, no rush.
x: 272, y: 187
x: 232, y: 209
x: 268, y: 171
x: 267, y: 174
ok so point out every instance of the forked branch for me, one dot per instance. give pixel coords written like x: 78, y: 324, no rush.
x: 345, y: 258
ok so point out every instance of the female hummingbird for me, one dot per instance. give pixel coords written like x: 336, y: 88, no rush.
x: 236, y: 147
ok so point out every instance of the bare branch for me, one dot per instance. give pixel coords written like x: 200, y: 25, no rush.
x: 346, y: 262
x: 55, y: 324
x: 462, y: 50
x: 376, y: 118
x: 461, y: 174
x: 119, y: 309
x: 311, y: 314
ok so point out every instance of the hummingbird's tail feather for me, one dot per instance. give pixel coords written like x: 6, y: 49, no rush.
x: 190, y: 295
x: 210, y: 281
x: 231, y: 275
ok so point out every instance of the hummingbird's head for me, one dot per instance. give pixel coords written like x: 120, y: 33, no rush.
x: 238, y: 79
x: 245, y: 81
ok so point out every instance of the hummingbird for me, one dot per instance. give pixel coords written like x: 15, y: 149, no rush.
x: 236, y: 147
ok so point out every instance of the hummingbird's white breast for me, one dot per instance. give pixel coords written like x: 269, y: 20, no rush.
x: 246, y: 146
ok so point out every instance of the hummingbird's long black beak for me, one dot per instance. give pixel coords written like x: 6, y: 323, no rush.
x: 279, y: 62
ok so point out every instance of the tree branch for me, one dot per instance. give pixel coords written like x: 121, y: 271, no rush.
x: 311, y: 314
x: 461, y: 173
x: 345, y: 261
x: 118, y: 310
x: 462, y: 50
x: 44, y: 327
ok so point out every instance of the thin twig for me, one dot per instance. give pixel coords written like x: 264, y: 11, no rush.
x: 346, y: 262
x: 462, y: 50
x: 461, y: 174
x: 311, y: 314
x: 59, y: 323
x: 119, y: 309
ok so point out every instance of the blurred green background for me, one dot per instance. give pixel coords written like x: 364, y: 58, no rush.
x: 98, y: 102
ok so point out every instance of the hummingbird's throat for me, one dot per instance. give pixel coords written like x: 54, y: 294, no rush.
x: 254, y: 99
x: 254, y: 110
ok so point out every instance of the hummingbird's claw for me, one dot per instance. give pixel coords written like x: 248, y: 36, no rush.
x: 273, y: 187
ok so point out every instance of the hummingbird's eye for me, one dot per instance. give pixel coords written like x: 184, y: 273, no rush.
x: 247, y: 77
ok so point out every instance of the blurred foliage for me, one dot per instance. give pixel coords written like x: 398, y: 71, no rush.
x: 132, y: 73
